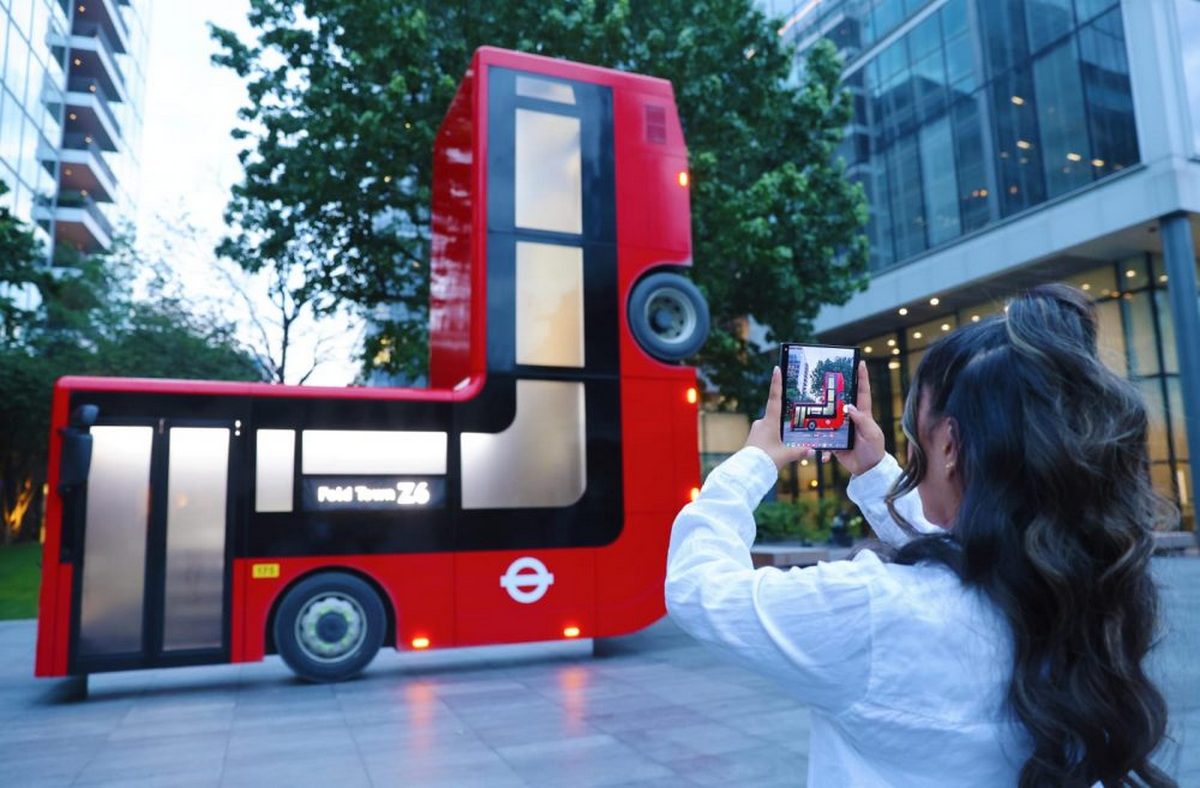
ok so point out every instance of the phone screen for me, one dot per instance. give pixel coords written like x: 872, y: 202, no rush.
x: 818, y: 382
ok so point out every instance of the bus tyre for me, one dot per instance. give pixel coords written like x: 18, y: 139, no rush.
x: 329, y: 626
x: 668, y: 316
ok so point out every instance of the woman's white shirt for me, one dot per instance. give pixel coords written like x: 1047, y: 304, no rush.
x: 905, y: 670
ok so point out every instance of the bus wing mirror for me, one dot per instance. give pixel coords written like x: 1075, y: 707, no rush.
x: 84, y: 416
x: 77, y: 449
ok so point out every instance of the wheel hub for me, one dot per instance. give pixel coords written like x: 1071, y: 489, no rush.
x: 671, y: 315
x: 331, y: 627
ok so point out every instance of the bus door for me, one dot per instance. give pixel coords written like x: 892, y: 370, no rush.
x: 152, y: 545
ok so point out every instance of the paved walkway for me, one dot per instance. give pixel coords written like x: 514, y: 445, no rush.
x: 650, y: 709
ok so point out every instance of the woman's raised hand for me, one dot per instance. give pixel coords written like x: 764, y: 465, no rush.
x: 764, y: 433
x: 868, y: 437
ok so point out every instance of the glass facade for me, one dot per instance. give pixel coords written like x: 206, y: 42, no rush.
x: 1187, y: 14
x: 70, y: 115
x: 970, y: 111
x: 31, y: 107
x: 1136, y: 340
x: 967, y: 113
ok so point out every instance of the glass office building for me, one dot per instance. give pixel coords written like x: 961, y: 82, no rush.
x: 1003, y: 143
x: 70, y: 116
x: 31, y: 104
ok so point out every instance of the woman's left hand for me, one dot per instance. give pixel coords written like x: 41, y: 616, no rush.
x: 764, y: 433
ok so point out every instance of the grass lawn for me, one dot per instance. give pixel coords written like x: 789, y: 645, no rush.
x: 20, y: 568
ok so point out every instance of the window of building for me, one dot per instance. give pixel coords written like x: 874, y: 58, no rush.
x: 1105, y: 73
x: 1046, y: 21
x: 1062, y: 123
x: 939, y: 182
x: 976, y: 193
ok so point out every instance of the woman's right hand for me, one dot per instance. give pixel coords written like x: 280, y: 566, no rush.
x: 868, y: 438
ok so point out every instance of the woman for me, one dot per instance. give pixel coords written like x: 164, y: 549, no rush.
x: 1003, y: 642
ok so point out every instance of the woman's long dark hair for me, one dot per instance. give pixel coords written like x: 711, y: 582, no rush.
x: 1055, y: 527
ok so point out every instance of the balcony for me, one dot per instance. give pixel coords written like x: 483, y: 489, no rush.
x: 106, y: 15
x: 84, y: 169
x: 78, y: 221
x: 88, y: 94
x: 92, y: 55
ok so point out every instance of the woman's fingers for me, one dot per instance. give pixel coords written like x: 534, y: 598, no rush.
x: 774, y: 397
x: 863, y: 400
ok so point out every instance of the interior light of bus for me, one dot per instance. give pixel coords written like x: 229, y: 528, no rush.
x: 420, y: 642
x: 683, y: 178
x: 692, y: 395
x: 570, y: 632
x: 695, y: 493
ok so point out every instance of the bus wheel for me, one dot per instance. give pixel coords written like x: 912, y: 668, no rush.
x: 812, y: 425
x: 668, y: 316
x: 329, y: 626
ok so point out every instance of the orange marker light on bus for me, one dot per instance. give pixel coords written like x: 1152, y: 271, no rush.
x: 692, y: 395
x: 420, y: 642
x: 571, y: 632
x: 695, y: 493
x: 683, y: 178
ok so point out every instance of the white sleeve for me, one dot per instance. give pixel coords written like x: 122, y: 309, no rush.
x: 810, y: 628
x: 868, y: 490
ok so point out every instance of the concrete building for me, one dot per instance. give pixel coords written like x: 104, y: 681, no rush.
x: 71, y: 117
x: 1003, y: 143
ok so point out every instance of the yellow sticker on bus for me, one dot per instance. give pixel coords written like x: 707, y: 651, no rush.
x: 264, y: 571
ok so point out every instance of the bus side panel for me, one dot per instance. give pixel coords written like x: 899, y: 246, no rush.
x: 661, y: 468
x: 630, y: 575
x: 653, y: 205
x: 419, y: 588
x: 488, y: 613
x: 54, y: 596
x: 648, y: 444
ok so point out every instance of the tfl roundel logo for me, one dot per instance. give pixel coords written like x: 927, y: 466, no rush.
x: 526, y: 580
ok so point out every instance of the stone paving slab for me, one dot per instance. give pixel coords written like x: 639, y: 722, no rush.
x: 651, y: 709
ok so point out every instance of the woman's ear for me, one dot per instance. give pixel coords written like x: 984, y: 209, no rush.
x: 950, y: 436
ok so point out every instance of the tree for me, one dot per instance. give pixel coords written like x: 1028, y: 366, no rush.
x: 817, y: 379
x: 89, y: 323
x: 346, y: 97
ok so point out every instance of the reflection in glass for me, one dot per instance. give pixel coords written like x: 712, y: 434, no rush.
x: 1061, y: 119
x: 937, y: 177
x: 1047, y: 21
x: 1187, y: 14
x: 1139, y: 322
x: 907, y: 207
x: 194, y: 593
x: 372, y: 452
x: 549, y: 305
x: 545, y: 89
x: 547, y: 172
x: 114, y: 550
x: 274, y: 470
x: 1018, y: 152
x: 539, y: 460
x: 1105, y: 71
x: 1110, y: 337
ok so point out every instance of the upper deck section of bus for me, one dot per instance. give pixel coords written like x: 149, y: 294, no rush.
x: 648, y: 158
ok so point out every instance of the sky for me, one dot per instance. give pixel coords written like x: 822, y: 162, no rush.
x: 189, y: 163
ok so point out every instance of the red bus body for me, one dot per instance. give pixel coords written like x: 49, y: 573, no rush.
x: 441, y: 572
x: 827, y: 413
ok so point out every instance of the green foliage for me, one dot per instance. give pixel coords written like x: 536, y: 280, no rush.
x: 19, y: 254
x: 802, y: 520
x: 347, y: 95
x: 20, y: 571
x: 817, y: 378
x: 89, y: 323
